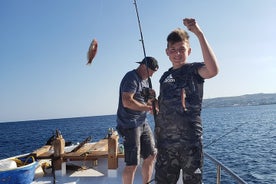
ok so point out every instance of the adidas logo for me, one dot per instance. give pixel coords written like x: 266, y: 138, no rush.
x: 197, y: 171
x: 169, y: 79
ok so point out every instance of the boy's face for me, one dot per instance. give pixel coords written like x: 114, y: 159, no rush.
x: 178, y: 53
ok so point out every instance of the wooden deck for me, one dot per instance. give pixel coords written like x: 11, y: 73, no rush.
x: 105, y: 148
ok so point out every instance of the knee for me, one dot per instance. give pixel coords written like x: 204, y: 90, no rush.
x: 130, y: 168
x: 151, y: 158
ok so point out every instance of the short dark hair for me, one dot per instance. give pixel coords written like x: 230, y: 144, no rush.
x: 177, y: 35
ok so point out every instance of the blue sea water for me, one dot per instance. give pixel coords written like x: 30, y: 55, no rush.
x: 242, y: 138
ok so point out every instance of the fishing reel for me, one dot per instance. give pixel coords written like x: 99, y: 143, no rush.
x: 148, y: 94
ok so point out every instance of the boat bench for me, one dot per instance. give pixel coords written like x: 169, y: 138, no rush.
x: 105, y: 148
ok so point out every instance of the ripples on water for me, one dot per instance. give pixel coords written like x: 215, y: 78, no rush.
x: 250, y: 149
x: 242, y: 138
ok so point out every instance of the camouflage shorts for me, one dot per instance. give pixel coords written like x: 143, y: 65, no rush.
x: 171, y: 160
x: 138, y: 142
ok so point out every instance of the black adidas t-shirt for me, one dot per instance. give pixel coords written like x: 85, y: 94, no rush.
x: 180, y: 99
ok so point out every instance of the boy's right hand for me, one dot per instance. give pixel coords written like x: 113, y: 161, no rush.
x: 191, y: 25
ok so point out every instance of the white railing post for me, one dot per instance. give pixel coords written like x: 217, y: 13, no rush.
x: 226, y: 169
x: 218, y: 174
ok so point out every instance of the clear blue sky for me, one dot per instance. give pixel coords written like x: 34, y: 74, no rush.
x: 43, y: 45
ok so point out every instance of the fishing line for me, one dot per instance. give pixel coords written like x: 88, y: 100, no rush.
x: 224, y: 135
x: 144, y: 51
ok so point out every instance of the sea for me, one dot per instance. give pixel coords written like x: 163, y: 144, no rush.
x: 243, y: 138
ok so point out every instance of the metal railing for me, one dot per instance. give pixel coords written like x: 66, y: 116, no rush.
x: 223, y: 167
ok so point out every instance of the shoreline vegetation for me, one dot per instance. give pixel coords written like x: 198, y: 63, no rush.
x: 243, y: 100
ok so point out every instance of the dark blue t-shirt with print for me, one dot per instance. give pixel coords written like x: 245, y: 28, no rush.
x: 127, y: 118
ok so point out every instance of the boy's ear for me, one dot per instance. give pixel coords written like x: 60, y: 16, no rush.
x: 167, y: 51
x: 189, y: 51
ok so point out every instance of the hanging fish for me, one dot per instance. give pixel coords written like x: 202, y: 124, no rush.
x: 92, y: 51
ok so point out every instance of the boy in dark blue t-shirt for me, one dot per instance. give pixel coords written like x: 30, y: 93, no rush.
x: 178, y: 127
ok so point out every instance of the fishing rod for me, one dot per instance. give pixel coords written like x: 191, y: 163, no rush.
x: 144, y: 51
x: 140, y: 27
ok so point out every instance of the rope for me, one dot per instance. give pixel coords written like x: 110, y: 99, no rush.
x: 20, y: 163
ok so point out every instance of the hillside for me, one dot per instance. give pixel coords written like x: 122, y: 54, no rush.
x: 244, y: 100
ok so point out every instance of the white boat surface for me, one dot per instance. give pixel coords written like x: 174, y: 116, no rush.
x: 95, y: 162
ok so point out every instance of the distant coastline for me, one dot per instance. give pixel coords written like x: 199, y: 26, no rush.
x: 243, y: 100
x: 232, y: 101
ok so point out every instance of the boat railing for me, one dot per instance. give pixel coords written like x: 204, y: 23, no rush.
x: 220, y: 167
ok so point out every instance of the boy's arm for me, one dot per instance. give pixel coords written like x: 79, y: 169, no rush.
x: 211, y: 68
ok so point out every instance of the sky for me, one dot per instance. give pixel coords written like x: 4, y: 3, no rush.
x: 44, y: 44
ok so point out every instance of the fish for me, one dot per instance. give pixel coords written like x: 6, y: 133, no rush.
x: 92, y: 51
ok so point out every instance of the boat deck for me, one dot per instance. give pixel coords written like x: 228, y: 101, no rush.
x: 99, y: 174
x: 98, y: 162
